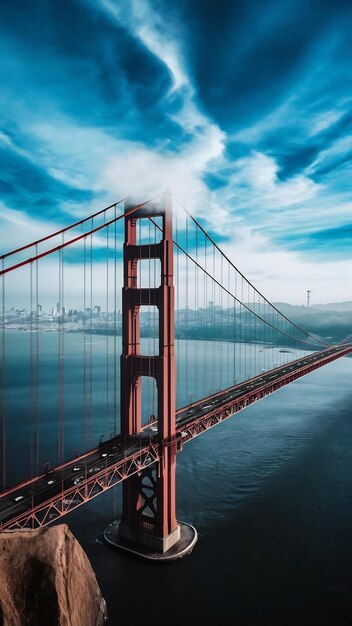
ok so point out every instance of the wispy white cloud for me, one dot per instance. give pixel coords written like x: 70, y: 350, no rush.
x: 286, y: 275
x: 150, y: 27
x: 340, y: 148
x: 18, y: 228
x: 324, y: 120
x: 254, y: 201
x: 258, y: 173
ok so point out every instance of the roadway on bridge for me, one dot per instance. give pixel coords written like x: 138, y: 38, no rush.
x: 17, y: 500
x: 192, y: 412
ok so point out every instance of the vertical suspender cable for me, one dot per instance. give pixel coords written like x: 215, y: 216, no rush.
x: 106, y: 425
x: 205, y: 326
x: 267, y: 366
x: 228, y: 338
x: 258, y: 367
x: 206, y: 316
x: 31, y: 375
x: 115, y: 327
x: 263, y: 326
x: 221, y: 325
x: 150, y: 408
x: 196, y: 316
x: 267, y: 336
x: 247, y: 327
x: 257, y: 334
x: 177, y: 316
x: 90, y: 435
x: 59, y: 313
x: 37, y: 363
x: 85, y: 417
x: 186, y: 316
x: 235, y: 331
x: 250, y: 364
x: 273, y: 360
x: 254, y: 334
x: 61, y: 356
x: 153, y: 238
x: 214, y: 328
x: 278, y: 337
x: 3, y: 381
x: 62, y: 335
x: 241, y: 333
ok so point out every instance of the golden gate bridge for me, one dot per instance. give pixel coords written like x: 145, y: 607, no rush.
x: 199, y: 344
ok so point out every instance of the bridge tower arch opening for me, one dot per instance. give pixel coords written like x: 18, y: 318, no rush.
x: 148, y: 520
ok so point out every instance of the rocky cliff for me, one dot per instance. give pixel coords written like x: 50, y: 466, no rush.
x: 47, y: 580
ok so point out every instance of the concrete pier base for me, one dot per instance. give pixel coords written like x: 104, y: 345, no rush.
x: 188, y: 538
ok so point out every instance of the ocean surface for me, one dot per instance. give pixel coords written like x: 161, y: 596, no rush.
x: 269, y: 491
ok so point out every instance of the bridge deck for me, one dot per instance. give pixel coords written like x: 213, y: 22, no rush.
x: 54, y: 494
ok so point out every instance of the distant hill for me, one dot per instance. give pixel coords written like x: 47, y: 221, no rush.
x: 331, y: 306
x: 334, y: 306
x: 332, y: 321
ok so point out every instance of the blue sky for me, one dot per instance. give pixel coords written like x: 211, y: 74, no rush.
x: 242, y: 109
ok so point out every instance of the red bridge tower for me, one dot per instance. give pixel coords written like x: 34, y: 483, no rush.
x: 148, y: 525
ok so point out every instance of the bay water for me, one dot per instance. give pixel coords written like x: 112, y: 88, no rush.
x: 269, y: 491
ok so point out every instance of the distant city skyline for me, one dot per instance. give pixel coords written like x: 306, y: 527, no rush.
x: 330, y: 321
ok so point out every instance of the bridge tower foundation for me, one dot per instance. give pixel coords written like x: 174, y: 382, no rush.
x: 148, y: 526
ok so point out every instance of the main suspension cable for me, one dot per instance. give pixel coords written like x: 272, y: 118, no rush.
x: 237, y: 270
x: 242, y: 304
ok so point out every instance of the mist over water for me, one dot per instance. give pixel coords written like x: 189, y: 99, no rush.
x: 269, y: 492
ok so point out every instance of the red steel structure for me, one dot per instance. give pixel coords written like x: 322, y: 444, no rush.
x: 149, y: 508
x: 143, y: 457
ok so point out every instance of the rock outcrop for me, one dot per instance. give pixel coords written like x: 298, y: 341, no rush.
x: 46, y: 580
